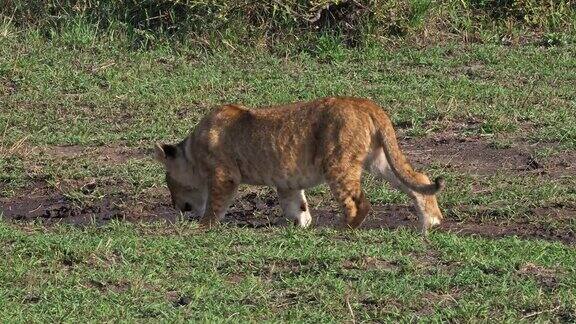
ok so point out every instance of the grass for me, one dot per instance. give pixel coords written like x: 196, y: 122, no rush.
x: 77, y: 109
x: 104, y: 94
x: 169, y: 272
x: 138, y: 94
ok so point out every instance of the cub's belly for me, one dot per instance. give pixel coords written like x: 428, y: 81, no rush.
x: 291, y: 181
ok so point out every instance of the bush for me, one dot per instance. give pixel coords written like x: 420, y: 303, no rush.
x: 276, y: 21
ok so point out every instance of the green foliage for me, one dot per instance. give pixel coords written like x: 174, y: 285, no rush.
x: 265, y: 23
x: 418, y: 11
x: 538, y: 13
x: 329, y: 48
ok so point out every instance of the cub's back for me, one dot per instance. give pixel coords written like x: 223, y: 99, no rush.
x: 272, y: 145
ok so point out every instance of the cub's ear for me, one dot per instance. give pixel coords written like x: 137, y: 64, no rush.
x: 164, y: 152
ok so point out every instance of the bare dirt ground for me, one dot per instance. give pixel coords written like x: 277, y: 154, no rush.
x: 39, y: 202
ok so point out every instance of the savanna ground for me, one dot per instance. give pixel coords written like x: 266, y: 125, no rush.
x: 87, y: 231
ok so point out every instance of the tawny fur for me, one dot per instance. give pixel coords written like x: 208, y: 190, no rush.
x: 293, y: 147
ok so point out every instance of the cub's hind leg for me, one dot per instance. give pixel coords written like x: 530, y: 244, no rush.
x: 295, y: 206
x: 346, y: 188
x: 426, y: 205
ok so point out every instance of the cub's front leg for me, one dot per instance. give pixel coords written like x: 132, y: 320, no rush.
x: 295, y: 206
x: 222, y: 187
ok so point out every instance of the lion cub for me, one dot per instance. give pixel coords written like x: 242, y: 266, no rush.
x: 293, y: 147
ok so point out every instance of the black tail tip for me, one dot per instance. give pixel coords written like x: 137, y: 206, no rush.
x: 440, y: 183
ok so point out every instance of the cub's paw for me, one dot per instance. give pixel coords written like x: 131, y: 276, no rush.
x: 434, y: 221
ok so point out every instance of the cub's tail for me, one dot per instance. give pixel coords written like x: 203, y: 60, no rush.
x: 397, y: 161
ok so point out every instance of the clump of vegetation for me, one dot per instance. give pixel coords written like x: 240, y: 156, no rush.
x: 270, y: 23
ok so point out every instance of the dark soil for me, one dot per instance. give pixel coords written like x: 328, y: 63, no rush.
x: 50, y: 206
x: 252, y: 209
x: 478, y: 156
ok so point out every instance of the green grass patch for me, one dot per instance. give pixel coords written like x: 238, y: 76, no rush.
x: 160, y: 272
x: 55, y: 95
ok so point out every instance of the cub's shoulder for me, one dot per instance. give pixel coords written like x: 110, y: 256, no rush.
x: 346, y: 106
x: 351, y: 101
x: 229, y: 112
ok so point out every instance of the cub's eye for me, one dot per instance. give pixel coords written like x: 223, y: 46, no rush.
x: 187, y: 207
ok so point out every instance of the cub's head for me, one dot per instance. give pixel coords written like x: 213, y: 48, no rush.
x: 187, y: 190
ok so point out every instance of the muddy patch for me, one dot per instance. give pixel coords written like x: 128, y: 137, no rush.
x: 401, y: 216
x: 253, y: 208
x: 371, y: 263
x: 256, y: 211
x: 109, y: 286
x: 177, y: 299
x: 50, y: 206
x: 545, y: 277
x: 478, y: 156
